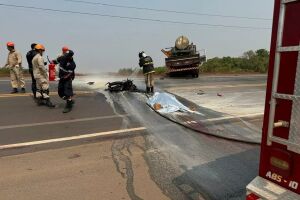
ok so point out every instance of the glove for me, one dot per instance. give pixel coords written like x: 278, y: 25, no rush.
x: 54, y: 62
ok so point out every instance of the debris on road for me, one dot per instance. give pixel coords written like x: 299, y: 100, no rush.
x: 201, y: 92
x: 90, y: 83
x: 219, y: 94
x: 118, y: 86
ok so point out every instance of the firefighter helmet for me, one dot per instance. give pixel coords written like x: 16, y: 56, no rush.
x: 65, y: 49
x: 141, y: 54
x: 10, y: 44
x: 39, y: 47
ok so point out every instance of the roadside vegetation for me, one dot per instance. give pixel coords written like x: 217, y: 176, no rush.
x: 250, y: 62
x: 139, y: 71
x: 5, y: 72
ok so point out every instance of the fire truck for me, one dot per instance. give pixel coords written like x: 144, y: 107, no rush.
x: 279, y: 170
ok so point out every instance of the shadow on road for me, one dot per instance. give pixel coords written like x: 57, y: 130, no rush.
x: 223, y: 179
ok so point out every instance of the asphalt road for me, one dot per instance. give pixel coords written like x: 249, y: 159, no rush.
x: 113, y: 146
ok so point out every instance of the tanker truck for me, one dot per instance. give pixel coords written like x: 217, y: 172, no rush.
x: 183, y: 58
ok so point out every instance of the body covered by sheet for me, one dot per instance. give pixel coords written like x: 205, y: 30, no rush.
x: 168, y: 103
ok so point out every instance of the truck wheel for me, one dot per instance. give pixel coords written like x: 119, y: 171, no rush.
x: 171, y: 74
x: 195, y: 75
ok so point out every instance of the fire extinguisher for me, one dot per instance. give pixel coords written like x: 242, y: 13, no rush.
x: 51, y: 68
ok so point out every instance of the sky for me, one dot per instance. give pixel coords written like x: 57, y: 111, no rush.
x: 106, y: 44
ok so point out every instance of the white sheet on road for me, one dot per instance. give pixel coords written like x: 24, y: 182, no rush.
x: 169, y: 103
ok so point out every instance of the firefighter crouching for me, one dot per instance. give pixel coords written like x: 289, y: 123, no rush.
x: 14, y: 64
x: 148, y: 70
x: 66, y: 76
x: 41, y: 77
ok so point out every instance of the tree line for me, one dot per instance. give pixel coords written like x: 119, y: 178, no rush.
x: 250, y: 61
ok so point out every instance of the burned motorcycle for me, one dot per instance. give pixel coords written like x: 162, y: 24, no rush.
x: 118, y: 86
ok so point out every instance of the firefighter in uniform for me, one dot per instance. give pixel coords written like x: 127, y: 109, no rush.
x: 29, y: 56
x: 14, y: 64
x: 64, y: 50
x: 41, y: 77
x: 66, y: 76
x: 148, y: 70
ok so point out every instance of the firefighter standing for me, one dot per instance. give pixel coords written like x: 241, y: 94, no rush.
x: 64, y: 50
x: 29, y: 56
x: 148, y: 70
x: 66, y: 76
x: 14, y: 63
x: 41, y: 77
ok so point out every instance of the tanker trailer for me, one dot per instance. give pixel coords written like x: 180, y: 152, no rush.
x: 183, y: 58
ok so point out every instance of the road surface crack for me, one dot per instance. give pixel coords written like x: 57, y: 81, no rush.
x: 124, y: 165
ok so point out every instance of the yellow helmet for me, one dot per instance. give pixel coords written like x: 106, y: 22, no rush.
x: 39, y: 47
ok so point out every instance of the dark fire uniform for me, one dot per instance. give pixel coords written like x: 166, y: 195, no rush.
x: 29, y: 56
x: 148, y: 70
x: 66, y: 75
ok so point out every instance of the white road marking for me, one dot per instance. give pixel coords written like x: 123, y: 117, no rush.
x: 106, y: 133
x: 6, y: 95
x: 62, y: 121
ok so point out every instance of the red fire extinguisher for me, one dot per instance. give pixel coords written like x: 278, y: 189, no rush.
x: 51, y: 67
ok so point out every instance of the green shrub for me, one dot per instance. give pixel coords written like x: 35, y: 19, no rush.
x: 160, y: 70
x: 250, y: 62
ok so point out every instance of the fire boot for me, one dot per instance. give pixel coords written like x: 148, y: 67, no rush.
x: 39, y: 98
x: 39, y: 101
x: 147, y: 90
x: 152, y: 90
x: 23, y: 90
x: 68, y: 107
x: 15, y: 90
x: 49, y: 104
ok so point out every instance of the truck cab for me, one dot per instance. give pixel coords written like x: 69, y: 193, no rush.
x: 183, y: 58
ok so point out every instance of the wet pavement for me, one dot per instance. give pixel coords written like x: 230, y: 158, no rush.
x: 164, y: 161
x: 187, y: 153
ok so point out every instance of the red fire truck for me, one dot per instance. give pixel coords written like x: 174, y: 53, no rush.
x: 279, y: 171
